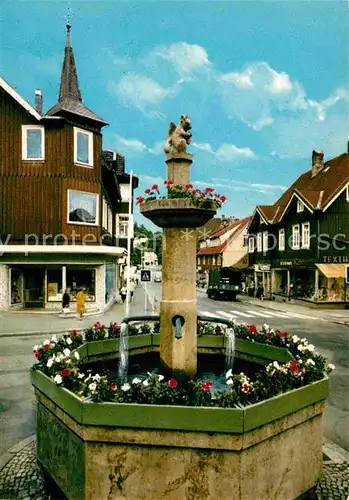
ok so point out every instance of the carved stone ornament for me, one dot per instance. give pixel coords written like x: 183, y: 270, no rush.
x: 178, y: 136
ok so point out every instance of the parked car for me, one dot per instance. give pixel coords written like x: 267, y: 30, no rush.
x: 157, y: 277
x: 224, y: 283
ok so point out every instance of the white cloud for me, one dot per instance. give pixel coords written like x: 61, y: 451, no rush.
x: 242, y: 186
x: 139, y: 91
x: 226, y: 152
x: 280, y: 83
x: 184, y: 57
x: 135, y: 146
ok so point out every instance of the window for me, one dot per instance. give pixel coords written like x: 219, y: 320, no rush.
x: 83, y: 147
x: 122, y: 225
x: 54, y: 285
x: 259, y: 242
x: 306, y: 235
x: 295, y: 236
x: 83, y: 208
x: 105, y: 214
x: 265, y: 241
x: 281, y: 239
x: 110, y: 220
x: 82, y: 278
x: 251, y: 244
x: 33, y: 142
x: 300, y: 206
x: 213, y: 260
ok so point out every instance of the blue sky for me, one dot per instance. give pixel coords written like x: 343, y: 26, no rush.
x: 263, y: 82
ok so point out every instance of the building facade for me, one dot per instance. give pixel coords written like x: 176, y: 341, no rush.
x: 60, y: 200
x: 299, y: 247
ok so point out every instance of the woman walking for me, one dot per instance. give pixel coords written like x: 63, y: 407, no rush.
x: 80, y: 302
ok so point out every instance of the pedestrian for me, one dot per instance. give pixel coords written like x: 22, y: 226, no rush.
x: 123, y: 293
x: 66, y: 302
x: 132, y: 288
x: 80, y: 302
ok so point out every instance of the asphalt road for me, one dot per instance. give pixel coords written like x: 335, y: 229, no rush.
x: 17, y: 404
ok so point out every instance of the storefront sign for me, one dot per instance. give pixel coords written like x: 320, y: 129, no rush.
x: 296, y: 263
x: 336, y: 259
x: 262, y: 267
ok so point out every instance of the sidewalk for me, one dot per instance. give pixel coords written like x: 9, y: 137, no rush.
x: 24, y: 323
x: 21, y: 478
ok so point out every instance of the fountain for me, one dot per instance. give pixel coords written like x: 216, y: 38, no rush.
x: 271, y: 449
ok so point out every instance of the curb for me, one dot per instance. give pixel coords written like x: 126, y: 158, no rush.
x: 18, y: 447
x: 37, y: 333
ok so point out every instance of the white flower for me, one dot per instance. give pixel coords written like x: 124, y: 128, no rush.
x: 276, y: 365
x: 76, y: 355
x: 331, y: 367
x: 229, y: 373
x: 66, y: 351
x: 146, y: 383
x: 265, y: 326
x: 46, y: 342
x: 81, y: 375
x: 310, y: 347
x: 54, y: 339
x: 58, y: 379
x: 68, y: 340
x: 96, y: 377
x: 310, y: 362
x: 49, y: 362
x: 92, y: 387
x: 125, y: 387
x: 160, y: 378
x: 136, y: 381
x: 301, y: 347
x: 304, y: 340
x: 295, y: 338
x: 36, y: 348
x: 230, y: 381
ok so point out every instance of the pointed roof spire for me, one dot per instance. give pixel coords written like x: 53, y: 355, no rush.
x: 69, y: 88
x: 70, y: 100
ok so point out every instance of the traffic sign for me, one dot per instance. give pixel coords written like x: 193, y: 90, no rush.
x: 145, y: 275
x: 347, y: 275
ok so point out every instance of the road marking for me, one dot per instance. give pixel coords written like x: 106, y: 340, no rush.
x: 303, y: 316
x: 239, y: 313
x: 227, y: 315
x: 207, y: 313
x: 263, y: 315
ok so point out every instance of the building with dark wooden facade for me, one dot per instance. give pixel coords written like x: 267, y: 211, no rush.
x: 299, y: 246
x: 60, y: 200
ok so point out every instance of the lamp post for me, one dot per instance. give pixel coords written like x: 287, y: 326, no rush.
x: 128, y: 260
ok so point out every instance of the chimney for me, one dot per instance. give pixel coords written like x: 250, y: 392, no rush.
x: 38, y: 101
x: 317, y: 162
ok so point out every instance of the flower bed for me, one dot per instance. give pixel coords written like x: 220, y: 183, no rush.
x: 59, y: 360
x: 202, y: 199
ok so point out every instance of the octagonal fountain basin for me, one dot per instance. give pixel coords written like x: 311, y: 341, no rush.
x: 179, y: 212
x: 268, y: 450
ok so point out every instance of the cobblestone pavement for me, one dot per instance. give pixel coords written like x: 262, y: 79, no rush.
x: 22, y: 479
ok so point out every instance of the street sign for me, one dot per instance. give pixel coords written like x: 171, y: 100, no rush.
x: 146, y: 275
x: 347, y: 275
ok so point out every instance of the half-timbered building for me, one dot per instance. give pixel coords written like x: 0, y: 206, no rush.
x: 61, y: 200
x: 299, y: 246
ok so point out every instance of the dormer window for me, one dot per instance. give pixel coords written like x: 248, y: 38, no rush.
x: 300, y: 206
x: 33, y: 142
x: 83, y: 147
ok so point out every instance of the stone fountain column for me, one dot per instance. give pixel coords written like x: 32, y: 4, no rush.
x: 179, y: 283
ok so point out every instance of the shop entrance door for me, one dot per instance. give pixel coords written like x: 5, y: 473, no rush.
x: 33, y: 288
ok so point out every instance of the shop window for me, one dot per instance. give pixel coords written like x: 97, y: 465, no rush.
x: 110, y: 281
x: 251, y: 244
x: 33, y: 142
x: 306, y: 235
x: 78, y: 279
x: 295, y: 237
x: 16, y: 286
x: 281, y: 239
x: 300, y: 206
x: 259, y: 242
x: 54, y: 285
x: 82, y: 208
x: 83, y: 147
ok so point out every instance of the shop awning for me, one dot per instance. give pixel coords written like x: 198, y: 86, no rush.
x: 332, y: 270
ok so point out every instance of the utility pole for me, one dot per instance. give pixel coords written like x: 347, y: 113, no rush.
x: 128, y: 260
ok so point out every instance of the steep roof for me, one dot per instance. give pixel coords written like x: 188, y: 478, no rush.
x: 316, y: 191
x: 12, y: 92
x: 222, y: 230
x: 217, y: 249
x: 70, y: 100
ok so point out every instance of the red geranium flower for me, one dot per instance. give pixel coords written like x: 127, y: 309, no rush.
x: 282, y: 334
x: 113, y: 386
x: 293, y: 365
x: 155, y: 187
x: 74, y: 332
x: 46, y: 347
x: 245, y: 388
x: 114, y: 324
x: 65, y: 372
x: 206, y: 386
x: 223, y: 199
x: 140, y: 200
x: 252, y: 329
x: 169, y: 183
x: 209, y: 190
x: 37, y: 354
x: 147, y: 191
x: 188, y: 186
x: 173, y: 382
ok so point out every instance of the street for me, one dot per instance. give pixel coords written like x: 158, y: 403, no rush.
x: 17, y: 408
